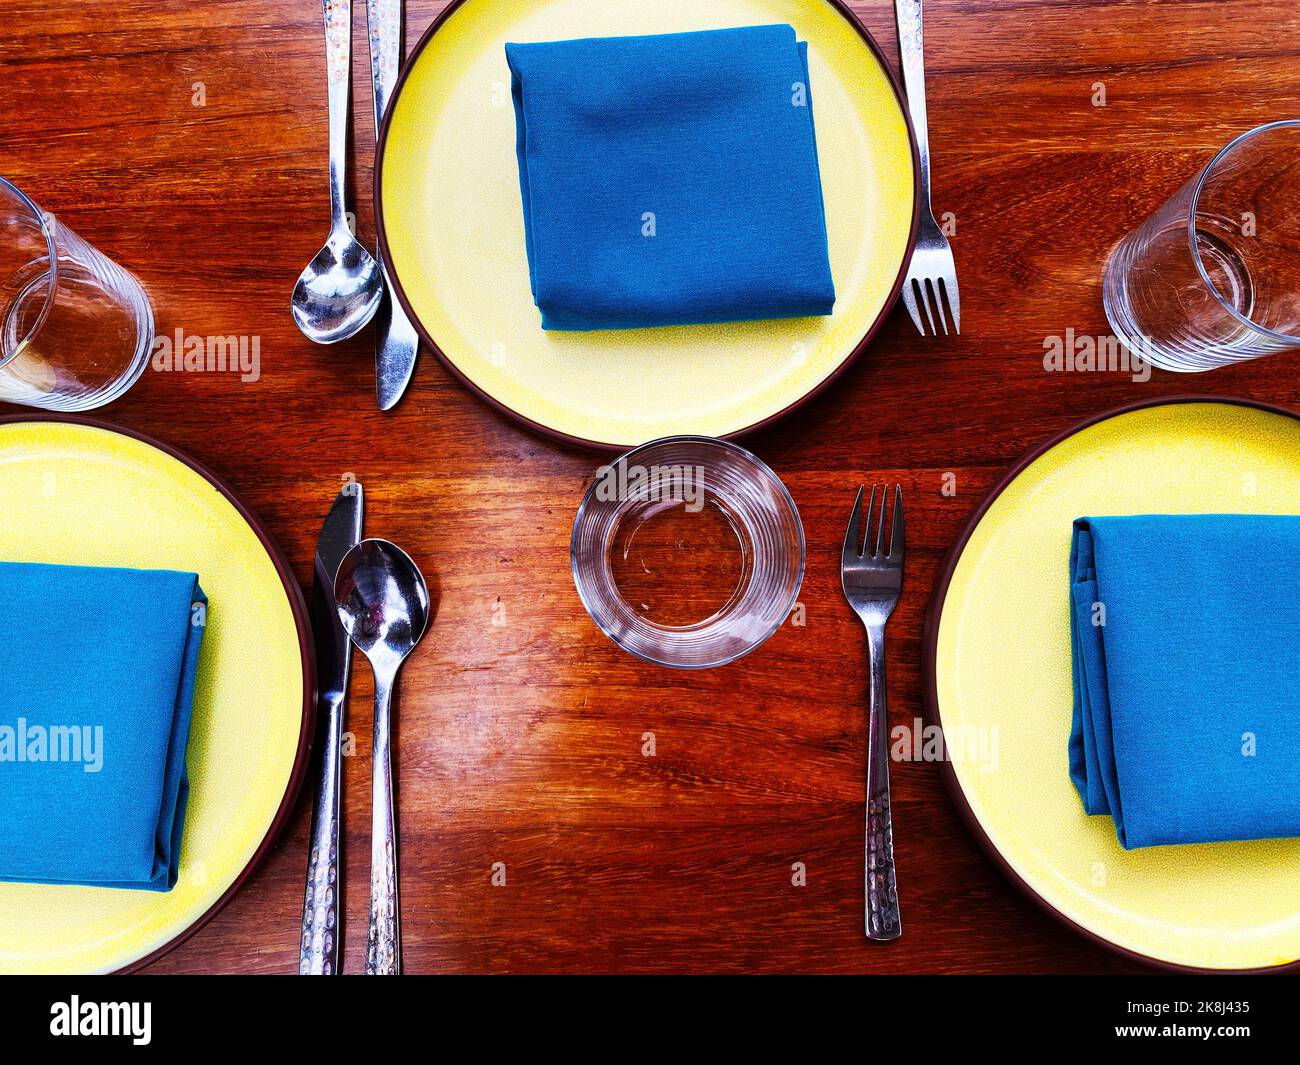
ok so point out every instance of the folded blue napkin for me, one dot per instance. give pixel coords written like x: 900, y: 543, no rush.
x: 95, y: 699
x: 1186, y: 638
x: 671, y: 180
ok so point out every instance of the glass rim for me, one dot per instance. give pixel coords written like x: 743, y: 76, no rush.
x: 1202, y: 178
x: 785, y: 497
x: 46, y: 230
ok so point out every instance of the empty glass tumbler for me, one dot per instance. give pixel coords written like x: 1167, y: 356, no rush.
x: 688, y: 552
x: 76, y: 328
x: 1213, y: 277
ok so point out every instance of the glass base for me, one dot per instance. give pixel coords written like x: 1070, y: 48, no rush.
x: 1124, y: 321
x: 29, y: 379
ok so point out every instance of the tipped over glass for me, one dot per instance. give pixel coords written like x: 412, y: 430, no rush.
x: 1213, y: 277
x: 75, y: 328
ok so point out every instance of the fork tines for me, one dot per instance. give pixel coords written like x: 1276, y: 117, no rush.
x: 931, y: 293
x: 856, y: 546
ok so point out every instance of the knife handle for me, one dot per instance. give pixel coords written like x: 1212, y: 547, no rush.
x: 384, y: 938
x: 319, y: 949
x: 384, y: 22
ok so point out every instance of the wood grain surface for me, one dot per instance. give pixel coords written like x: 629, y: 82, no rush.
x: 520, y: 743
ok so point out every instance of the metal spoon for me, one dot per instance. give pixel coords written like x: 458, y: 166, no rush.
x: 340, y: 290
x: 384, y: 606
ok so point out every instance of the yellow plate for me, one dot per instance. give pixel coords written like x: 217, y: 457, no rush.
x: 452, y: 229
x: 1000, y: 645
x: 80, y: 494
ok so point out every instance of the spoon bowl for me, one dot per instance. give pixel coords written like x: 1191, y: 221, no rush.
x: 338, y: 292
x: 382, y: 600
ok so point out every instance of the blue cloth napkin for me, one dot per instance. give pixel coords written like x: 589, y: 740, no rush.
x: 95, y: 699
x: 1186, y: 636
x: 671, y: 180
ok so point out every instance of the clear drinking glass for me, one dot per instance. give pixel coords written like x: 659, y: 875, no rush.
x: 1213, y: 277
x: 688, y: 552
x: 76, y: 328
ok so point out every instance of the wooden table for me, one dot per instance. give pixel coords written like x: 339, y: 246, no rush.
x: 188, y: 141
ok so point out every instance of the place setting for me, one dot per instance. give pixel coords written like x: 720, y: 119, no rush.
x: 642, y: 233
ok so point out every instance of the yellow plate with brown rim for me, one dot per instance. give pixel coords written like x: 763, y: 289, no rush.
x: 451, y: 226
x: 999, y: 669
x: 78, y: 492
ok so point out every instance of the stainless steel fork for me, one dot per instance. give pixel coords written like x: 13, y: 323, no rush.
x: 933, y: 273
x: 872, y: 578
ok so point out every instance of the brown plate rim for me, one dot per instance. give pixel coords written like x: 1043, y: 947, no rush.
x: 929, y: 668
x: 565, y: 438
x: 297, y: 606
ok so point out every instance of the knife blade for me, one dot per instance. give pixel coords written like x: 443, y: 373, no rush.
x: 319, y: 946
x: 397, y: 347
x: 397, y: 344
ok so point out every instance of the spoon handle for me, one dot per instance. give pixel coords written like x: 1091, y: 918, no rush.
x: 338, y: 68
x: 384, y: 939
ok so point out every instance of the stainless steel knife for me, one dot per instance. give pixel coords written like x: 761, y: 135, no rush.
x: 397, y: 343
x: 319, y: 948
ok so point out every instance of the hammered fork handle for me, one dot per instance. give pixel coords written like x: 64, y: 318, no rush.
x: 911, y: 46
x: 882, y: 919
